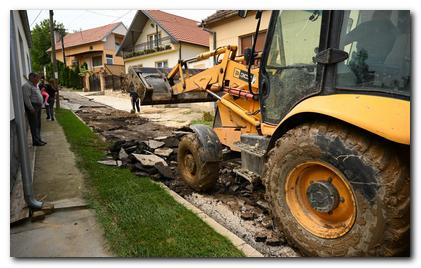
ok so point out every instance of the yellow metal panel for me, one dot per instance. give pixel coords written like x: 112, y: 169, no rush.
x: 387, y: 117
x: 232, y: 125
x: 228, y: 136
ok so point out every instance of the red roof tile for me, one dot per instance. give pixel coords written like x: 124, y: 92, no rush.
x: 86, y: 36
x: 182, y: 29
x: 219, y: 15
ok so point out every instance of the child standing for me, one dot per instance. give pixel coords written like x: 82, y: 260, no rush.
x: 45, y: 96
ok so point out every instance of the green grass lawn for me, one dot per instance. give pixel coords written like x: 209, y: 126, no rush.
x: 202, y: 122
x: 207, y: 119
x: 138, y: 216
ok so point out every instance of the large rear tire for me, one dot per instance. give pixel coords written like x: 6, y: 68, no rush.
x: 198, y: 174
x: 335, y: 191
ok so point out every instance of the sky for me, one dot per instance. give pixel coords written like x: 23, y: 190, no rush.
x: 76, y: 20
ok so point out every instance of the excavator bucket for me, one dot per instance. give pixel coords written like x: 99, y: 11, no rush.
x: 153, y: 87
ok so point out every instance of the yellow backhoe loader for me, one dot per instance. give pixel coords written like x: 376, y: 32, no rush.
x: 323, y: 122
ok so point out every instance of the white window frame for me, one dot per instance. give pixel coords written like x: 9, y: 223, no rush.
x: 161, y: 64
x: 152, y: 39
x: 107, y: 58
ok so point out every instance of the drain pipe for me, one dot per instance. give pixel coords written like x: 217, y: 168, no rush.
x: 20, y: 121
x: 213, y: 33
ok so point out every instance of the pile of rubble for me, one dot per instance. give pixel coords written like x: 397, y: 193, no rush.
x: 155, y: 158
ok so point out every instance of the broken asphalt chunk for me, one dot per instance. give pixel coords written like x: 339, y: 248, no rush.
x: 165, y: 171
x: 165, y: 152
x: 260, y: 237
x: 262, y: 204
x: 110, y: 162
x: 116, y: 146
x: 122, y: 154
x: 247, y: 216
x: 161, y: 138
x: 153, y: 144
x: 273, y: 241
x: 149, y: 159
x: 171, y: 142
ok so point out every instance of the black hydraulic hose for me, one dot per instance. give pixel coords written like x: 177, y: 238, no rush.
x: 259, y: 18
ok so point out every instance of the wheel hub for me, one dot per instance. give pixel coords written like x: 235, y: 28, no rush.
x: 190, y: 164
x: 323, y: 196
x: 320, y: 198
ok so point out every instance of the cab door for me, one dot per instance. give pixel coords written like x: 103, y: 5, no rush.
x: 289, y: 72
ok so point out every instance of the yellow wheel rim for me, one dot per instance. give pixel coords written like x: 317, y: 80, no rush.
x: 320, y: 199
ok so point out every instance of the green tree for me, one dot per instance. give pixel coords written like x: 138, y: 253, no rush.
x: 41, y: 42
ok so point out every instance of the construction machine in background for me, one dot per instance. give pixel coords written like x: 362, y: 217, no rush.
x: 323, y: 123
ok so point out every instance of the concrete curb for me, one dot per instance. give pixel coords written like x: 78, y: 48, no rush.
x: 248, y: 250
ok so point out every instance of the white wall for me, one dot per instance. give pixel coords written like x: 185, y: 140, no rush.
x: 229, y: 31
x: 190, y: 51
x: 22, y: 49
x: 121, y: 29
x: 149, y: 60
x: 110, y: 42
x: 23, y: 54
x: 147, y: 30
x: 172, y: 56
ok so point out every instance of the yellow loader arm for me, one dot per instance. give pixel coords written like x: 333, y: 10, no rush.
x: 214, y: 78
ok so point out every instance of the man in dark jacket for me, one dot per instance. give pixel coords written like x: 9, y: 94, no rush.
x: 135, y: 100
x: 33, y: 103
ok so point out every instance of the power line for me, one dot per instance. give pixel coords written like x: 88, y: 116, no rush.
x: 82, y: 13
x: 39, y: 13
x: 125, y: 14
x: 101, y: 14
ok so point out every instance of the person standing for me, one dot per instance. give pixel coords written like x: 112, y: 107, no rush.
x: 52, y: 96
x: 135, y: 100
x: 33, y: 103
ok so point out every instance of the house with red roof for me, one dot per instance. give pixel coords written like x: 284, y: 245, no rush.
x: 228, y: 28
x: 96, y: 49
x: 159, y: 39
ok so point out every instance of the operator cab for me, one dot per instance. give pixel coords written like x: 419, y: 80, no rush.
x: 315, y: 52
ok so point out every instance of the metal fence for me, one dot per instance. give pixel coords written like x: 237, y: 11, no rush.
x: 113, y: 82
x: 149, y: 47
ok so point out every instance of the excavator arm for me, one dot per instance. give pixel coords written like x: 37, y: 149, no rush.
x: 229, y: 82
x: 183, y: 85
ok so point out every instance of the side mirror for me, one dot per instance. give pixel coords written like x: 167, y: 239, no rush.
x: 242, y: 13
x: 248, y: 53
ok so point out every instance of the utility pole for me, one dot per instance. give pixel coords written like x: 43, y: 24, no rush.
x: 62, y: 49
x: 53, y: 58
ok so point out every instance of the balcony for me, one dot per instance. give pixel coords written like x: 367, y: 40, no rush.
x: 148, y: 48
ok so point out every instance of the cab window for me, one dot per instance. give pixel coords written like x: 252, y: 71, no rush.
x: 290, y: 65
x: 378, y: 44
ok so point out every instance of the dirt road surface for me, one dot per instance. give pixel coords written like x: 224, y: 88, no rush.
x: 169, y: 115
